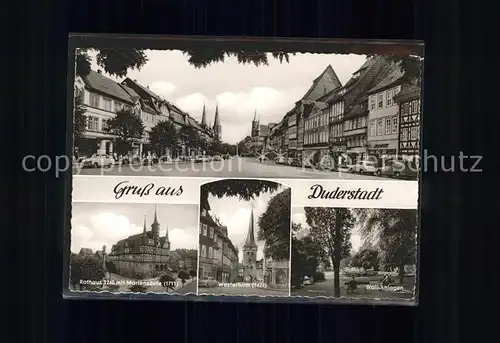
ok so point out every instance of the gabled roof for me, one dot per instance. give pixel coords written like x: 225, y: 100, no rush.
x: 393, y: 77
x: 86, y: 251
x: 408, y: 92
x: 328, y: 72
x: 133, y: 94
x: 128, y: 81
x: 104, y: 85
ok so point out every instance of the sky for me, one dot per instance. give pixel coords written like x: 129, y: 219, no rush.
x: 239, y: 89
x: 299, y: 217
x: 235, y: 214
x: 96, y: 224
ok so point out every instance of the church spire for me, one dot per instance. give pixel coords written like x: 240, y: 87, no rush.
x: 204, y: 116
x: 166, y: 235
x: 255, y: 115
x: 250, y: 241
x: 144, y: 229
x: 216, y: 120
x: 155, y: 221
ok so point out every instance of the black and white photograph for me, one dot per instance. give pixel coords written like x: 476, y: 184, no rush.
x: 133, y: 248
x: 354, y: 253
x: 246, y: 114
x: 244, y: 237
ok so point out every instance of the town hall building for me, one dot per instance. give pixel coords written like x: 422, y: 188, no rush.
x: 143, y: 255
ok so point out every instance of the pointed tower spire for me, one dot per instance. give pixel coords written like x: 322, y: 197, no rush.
x: 144, y: 229
x: 250, y: 241
x: 155, y: 221
x: 166, y: 235
x: 255, y: 115
x: 216, y: 120
x: 204, y: 116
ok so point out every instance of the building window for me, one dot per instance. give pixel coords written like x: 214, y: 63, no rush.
x: 211, y: 232
x: 389, y: 98
x: 413, y: 133
x: 372, y: 128
x: 404, y: 134
x: 204, y: 212
x: 94, y: 100
x: 203, y: 251
x: 395, y: 125
x: 388, y: 126
x: 372, y: 102
x: 204, y: 229
x: 380, y: 127
x: 107, y: 104
x: 380, y: 100
x: 92, y: 123
x: 210, y: 252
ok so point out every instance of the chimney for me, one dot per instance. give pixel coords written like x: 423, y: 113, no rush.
x: 135, y: 80
x: 99, y: 71
x: 147, y: 86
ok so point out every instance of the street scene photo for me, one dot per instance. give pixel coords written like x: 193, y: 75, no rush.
x: 244, y: 237
x: 354, y: 253
x: 244, y: 114
x: 133, y: 248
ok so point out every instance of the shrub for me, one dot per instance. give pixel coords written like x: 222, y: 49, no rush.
x: 138, y: 288
x: 192, y: 273
x: 183, y: 275
x: 318, y: 276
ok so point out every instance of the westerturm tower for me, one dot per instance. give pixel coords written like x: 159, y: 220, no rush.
x: 255, y: 125
x: 217, y: 127
x: 250, y: 250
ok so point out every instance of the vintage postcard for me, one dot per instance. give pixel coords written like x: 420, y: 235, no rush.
x: 244, y: 168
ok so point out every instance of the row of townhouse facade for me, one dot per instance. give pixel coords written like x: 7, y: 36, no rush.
x: 102, y: 97
x: 218, y: 257
x: 376, y: 113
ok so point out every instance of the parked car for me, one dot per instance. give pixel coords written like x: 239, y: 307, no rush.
x: 296, y: 162
x: 148, y: 161
x: 307, y: 281
x: 398, y: 169
x: 96, y: 161
x: 289, y: 161
x: 280, y: 160
x: 365, y: 167
x: 208, y: 283
x: 217, y: 158
x: 346, y: 168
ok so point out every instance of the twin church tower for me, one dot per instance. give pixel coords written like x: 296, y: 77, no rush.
x: 217, y: 128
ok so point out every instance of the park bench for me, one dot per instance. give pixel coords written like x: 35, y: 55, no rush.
x: 351, y: 286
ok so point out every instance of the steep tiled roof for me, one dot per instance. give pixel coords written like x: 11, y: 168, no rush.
x: 104, y: 85
x: 177, y: 117
x: 141, y: 87
x: 86, y: 251
x: 388, y: 81
x: 133, y: 94
x: 328, y: 71
x: 408, y: 92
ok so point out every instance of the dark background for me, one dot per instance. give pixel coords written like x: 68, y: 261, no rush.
x: 455, y: 282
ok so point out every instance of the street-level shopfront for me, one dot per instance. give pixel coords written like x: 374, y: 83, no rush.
x: 383, y: 150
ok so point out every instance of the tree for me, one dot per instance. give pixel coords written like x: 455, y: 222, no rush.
x: 183, y: 275
x: 274, y: 226
x: 110, y: 267
x: 164, y: 136
x: 243, y: 189
x: 395, y: 230
x: 331, y: 229
x: 138, y: 288
x: 306, y: 256
x: 192, y: 273
x: 87, y: 268
x: 79, y: 121
x: 216, y: 146
x: 167, y: 281
x: 115, y: 61
x: 189, y: 136
x: 203, y: 57
x: 366, y: 258
x: 127, y: 128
